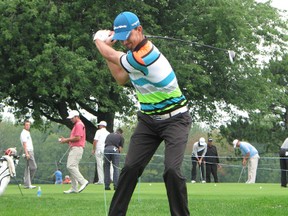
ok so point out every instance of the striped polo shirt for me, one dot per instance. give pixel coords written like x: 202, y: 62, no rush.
x: 153, y: 78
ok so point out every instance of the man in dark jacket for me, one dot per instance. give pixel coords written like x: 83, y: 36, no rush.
x: 113, y: 146
x: 212, y: 161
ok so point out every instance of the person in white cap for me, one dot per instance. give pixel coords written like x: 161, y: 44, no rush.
x: 76, y: 141
x: 198, y: 153
x: 98, y: 149
x: 163, y: 114
x: 250, y: 158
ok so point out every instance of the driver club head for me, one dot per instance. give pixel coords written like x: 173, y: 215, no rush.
x: 231, y: 54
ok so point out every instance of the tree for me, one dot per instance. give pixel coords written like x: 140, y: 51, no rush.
x: 267, y: 127
x: 49, y: 64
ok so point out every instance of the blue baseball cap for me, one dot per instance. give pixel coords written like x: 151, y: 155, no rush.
x: 124, y: 23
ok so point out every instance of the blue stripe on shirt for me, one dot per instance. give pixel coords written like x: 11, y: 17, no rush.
x: 163, y: 83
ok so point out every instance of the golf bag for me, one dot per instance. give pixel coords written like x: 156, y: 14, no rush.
x: 8, y: 163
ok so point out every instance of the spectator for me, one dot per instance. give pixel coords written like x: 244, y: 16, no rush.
x: 58, y: 176
x: 67, y: 180
x: 198, y: 153
x: 284, y: 162
x: 211, y: 161
x: 250, y: 155
x: 76, y: 142
x: 30, y: 165
x: 113, y: 147
x: 98, y: 149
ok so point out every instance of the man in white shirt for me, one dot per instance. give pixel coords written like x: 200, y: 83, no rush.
x: 98, y: 149
x: 31, y: 166
x: 198, y: 153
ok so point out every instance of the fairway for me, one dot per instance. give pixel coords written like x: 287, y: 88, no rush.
x: 149, y: 199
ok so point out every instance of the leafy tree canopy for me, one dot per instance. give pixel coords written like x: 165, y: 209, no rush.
x: 49, y: 64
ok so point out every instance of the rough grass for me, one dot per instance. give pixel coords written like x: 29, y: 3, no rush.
x: 149, y: 199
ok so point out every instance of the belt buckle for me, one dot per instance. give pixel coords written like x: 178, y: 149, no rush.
x: 156, y: 117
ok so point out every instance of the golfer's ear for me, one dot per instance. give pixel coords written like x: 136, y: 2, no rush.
x: 139, y: 28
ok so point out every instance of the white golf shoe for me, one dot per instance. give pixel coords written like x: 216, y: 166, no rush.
x: 70, y: 191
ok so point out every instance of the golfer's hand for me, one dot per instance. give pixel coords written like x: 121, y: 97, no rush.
x: 101, y: 35
x: 27, y: 156
x: 244, y: 162
x: 109, y: 41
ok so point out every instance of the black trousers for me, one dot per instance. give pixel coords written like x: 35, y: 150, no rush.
x: 283, y: 167
x: 145, y: 140
x: 211, y: 169
x: 111, y: 155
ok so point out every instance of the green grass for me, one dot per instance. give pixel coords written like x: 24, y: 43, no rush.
x: 149, y: 200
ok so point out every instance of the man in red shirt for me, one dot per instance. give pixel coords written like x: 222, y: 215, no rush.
x: 76, y: 143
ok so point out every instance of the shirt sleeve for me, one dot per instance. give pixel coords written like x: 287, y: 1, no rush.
x: 97, y: 134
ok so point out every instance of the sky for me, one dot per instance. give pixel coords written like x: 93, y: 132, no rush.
x: 281, y: 4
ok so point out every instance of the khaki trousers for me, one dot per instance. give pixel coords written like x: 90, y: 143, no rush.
x: 74, y: 157
x: 252, y: 169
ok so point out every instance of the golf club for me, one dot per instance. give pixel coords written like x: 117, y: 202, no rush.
x: 231, y: 53
x: 243, y: 168
x: 18, y: 185
x: 60, y: 161
x: 201, y: 177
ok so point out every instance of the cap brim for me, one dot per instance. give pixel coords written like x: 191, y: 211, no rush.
x: 70, y: 117
x: 121, y: 35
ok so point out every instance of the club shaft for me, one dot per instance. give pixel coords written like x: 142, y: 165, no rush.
x: 64, y: 155
x: 18, y: 185
x: 186, y: 41
x: 241, y: 173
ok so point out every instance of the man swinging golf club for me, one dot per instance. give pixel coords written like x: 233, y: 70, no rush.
x: 163, y: 114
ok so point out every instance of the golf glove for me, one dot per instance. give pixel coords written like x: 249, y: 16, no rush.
x: 101, y: 35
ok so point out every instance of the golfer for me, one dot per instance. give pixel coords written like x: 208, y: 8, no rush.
x: 76, y: 142
x: 250, y: 158
x: 197, y: 157
x: 164, y: 115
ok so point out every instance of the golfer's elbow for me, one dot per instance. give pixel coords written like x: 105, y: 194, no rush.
x: 121, y: 78
x: 121, y: 82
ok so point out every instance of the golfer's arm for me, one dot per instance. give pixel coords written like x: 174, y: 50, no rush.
x: 25, y: 149
x: 120, y: 149
x: 73, y: 139
x: 94, y: 145
x: 246, y: 156
x: 112, y: 58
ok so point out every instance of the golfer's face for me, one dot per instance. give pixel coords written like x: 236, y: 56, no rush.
x: 27, y: 126
x: 73, y: 119
x: 134, y: 38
